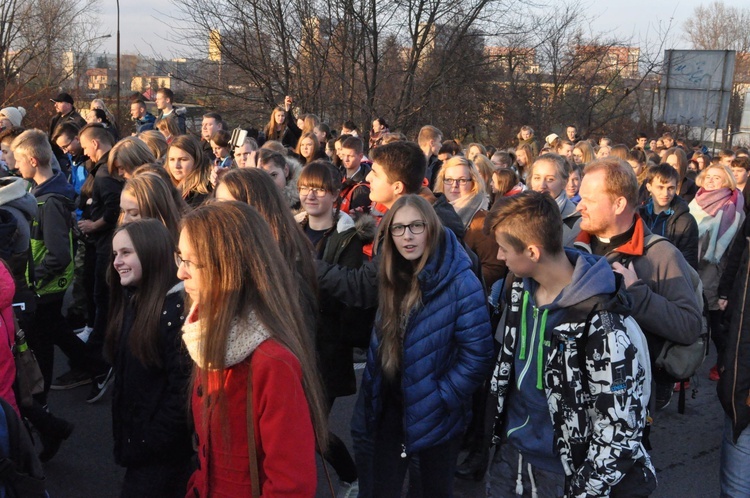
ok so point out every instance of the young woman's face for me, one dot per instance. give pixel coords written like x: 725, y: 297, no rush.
x: 316, y: 203
x: 181, y: 164
x: 279, y: 116
x: 129, y: 207
x: 126, y: 261
x: 603, y: 152
x: 8, y: 156
x: 376, y: 126
x: 473, y: 152
x: 219, y: 151
x: 190, y: 270
x: 577, y: 156
x: 637, y: 167
x: 278, y: 175
x: 300, y: 123
x: 546, y: 178
x: 525, y: 134
x: 306, y: 147
x: 456, y: 175
x: 574, y: 182
x: 320, y: 135
x: 410, y: 245
x: 714, y: 180
x: 521, y: 158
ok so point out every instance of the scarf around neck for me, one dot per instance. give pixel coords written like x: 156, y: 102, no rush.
x: 245, y: 335
x: 468, y: 205
x: 729, y: 202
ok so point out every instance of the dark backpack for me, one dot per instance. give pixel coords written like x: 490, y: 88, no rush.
x: 21, y: 473
x: 9, y: 233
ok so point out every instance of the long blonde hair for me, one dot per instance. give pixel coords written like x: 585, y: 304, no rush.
x: 399, y: 292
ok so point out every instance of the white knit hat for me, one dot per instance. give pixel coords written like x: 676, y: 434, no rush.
x: 14, y: 114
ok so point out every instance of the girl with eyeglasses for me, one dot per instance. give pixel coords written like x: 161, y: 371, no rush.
x: 465, y: 189
x: 336, y: 240
x: 151, y: 368
x: 431, y: 348
x: 256, y: 395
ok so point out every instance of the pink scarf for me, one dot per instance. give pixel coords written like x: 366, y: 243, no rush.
x: 731, y: 203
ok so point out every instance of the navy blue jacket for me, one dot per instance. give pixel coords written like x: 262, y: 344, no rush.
x: 447, y: 352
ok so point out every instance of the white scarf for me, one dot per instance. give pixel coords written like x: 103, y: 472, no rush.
x: 245, y: 335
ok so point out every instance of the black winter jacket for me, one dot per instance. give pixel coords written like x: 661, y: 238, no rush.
x: 149, y: 404
x: 734, y: 385
x: 679, y: 227
x: 105, y: 204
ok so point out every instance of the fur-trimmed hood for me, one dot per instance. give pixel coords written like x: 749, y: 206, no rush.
x: 290, y: 192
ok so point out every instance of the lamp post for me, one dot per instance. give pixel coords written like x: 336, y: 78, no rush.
x: 118, y: 62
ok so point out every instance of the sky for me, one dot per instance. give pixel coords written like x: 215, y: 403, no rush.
x: 142, y: 31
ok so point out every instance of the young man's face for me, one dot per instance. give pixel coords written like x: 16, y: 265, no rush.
x: 740, y: 174
x: 641, y: 142
x: 517, y: 262
x: 727, y: 161
x: 137, y: 111
x: 381, y: 189
x: 668, y: 142
x: 161, y: 101
x: 209, y: 126
x: 90, y: 147
x: 662, y: 192
x: 68, y: 145
x: 570, y: 131
x: 435, y: 145
x: 566, y: 150
x: 25, y: 166
x: 350, y: 158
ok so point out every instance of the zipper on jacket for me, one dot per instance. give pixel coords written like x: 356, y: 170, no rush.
x: 403, y: 450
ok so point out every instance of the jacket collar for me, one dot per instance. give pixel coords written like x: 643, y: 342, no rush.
x: 633, y: 247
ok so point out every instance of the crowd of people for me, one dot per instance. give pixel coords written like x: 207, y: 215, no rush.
x: 514, y: 305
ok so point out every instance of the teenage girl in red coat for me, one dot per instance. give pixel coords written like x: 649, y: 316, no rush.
x: 243, y: 326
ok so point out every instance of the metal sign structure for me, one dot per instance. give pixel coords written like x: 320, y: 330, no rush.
x: 697, y: 87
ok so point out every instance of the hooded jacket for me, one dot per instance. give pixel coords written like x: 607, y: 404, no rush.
x: 149, y: 420
x: 447, y: 353
x: 676, y: 224
x: 147, y: 122
x: 571, y: 222
x: 21, y: 204
x: 52, y: 237
x: 592, y: 370
x: 105, y: 204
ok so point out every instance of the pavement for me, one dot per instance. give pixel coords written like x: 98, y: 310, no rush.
x: 685, y: 447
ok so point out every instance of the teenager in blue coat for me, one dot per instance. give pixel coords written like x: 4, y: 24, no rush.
x: 430, y: 350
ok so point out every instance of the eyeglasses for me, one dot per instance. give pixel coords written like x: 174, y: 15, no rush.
x: 317, y: 192
x: 461, y: 181
x: 189, y: 265
x: 415, y: 228
x: 65, y: 147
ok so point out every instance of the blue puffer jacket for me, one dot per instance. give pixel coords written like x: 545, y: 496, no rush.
x: 447, y: 353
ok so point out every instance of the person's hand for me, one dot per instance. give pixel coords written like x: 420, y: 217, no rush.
x: 723, y: 304
x: 628, y: 274
x: 216, y: 174
x: 85, y: 226
x: 288, y: 101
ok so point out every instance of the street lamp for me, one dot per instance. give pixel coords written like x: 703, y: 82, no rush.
x: 118, y: 61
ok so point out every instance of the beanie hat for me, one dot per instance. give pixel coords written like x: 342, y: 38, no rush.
x: 551, y: 138
x: 14, y: 114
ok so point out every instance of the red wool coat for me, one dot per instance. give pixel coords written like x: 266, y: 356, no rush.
x: 283, y: 431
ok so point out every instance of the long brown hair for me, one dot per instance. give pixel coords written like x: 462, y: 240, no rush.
x: 155, y: 249
x: 316, y: 147
x: 199, y: 179
x: 243, y: 271
x: 399, y: 292
x: 255, y: 187
x: 155, y: 200
x: 271, y: 132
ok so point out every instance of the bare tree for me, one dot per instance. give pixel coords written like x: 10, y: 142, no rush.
x: 718, y: 26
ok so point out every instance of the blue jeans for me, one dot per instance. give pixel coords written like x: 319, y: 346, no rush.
x: 735, y: 462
